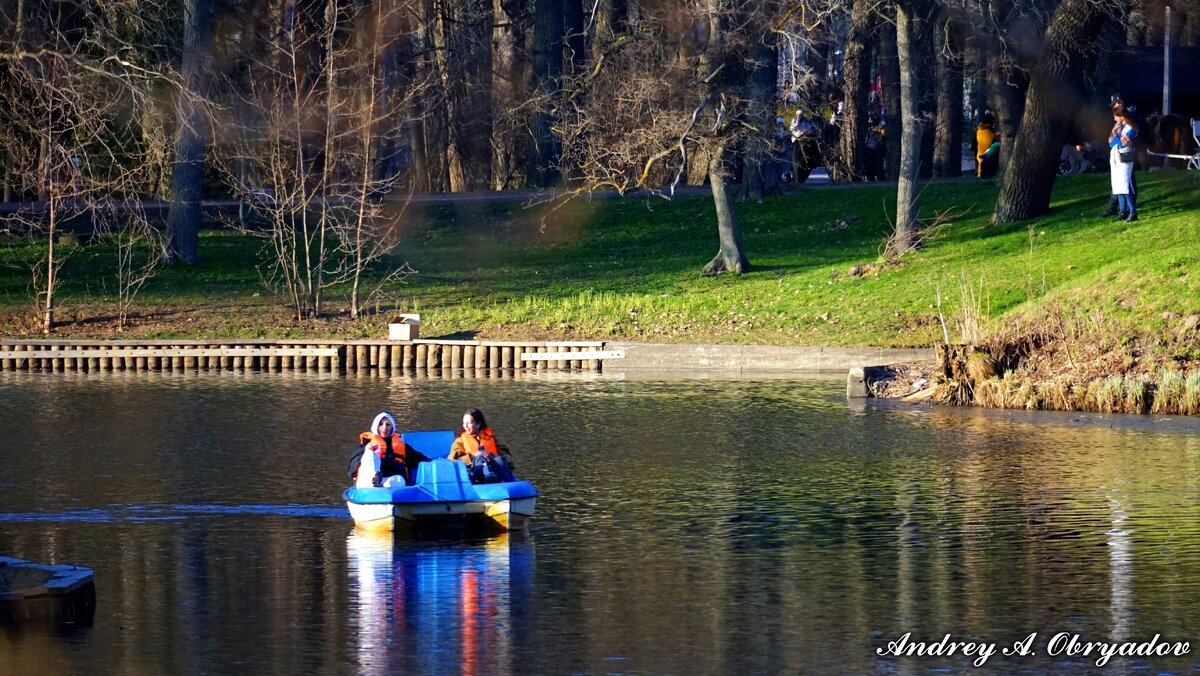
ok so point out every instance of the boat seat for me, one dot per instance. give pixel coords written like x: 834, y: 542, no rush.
x: 442, y: 471
x: 434, y: 443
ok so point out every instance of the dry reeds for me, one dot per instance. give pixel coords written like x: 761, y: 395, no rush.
x: 1169, y: 395
x: 1106, y: 395
x: 1058, y: 394
x: 1190, y: 403
x: 989, y: 393
x: 996, y: 378
x: 971, y: 317
x: 1137, y: 394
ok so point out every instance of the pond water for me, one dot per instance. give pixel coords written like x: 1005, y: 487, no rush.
x: 685, y: 526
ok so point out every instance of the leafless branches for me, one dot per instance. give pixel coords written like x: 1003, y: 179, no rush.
x: 305, y: 152
x: 77, y: 80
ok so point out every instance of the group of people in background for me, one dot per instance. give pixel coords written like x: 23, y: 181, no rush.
x: 814, y: 135
x: 384, y: 460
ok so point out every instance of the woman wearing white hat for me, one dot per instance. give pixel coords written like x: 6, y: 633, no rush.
x: 383, y: 456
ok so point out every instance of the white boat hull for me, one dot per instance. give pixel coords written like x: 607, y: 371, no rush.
x: 513, y: 514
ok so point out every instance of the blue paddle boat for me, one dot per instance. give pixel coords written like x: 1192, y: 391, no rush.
x: 441, y: 493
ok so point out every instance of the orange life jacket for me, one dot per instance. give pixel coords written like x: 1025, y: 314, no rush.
x: 392, y: 464
x: 467, y: 442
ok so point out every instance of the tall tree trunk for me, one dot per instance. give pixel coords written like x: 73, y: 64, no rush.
x: 760, y: 167
x: 889, y: 65
x: 947, y: 152
x: 912, y: 43
x: 927, y: 88
x: 435, y: 117
x: 187, y: 179
x: 1008, y: 85
x: 855, y: 91
x: 506, y: 78
x: 450, y: 70
x: 413, y: 71
x: 548, y: 26
x: 419, y: 168
x: 1055, y: 92
x: 731, y: 256
x: 604, y: 27
x: 817, y: 59
x: 575, y: 22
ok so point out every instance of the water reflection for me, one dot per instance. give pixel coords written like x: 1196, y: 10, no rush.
x: 711, y: 527
x: 437, y: 606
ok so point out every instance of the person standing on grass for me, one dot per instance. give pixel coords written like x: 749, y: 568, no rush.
x: 985, y: 137
x: 1118, y: 106
x: 1121, y: 156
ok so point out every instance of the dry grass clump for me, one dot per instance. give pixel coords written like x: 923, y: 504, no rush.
x: 990, y: 393
x: 980, y: 366
x: 1008, y: 391
x: 1137, y: 394
x: 1168, y: 396
x: 1106, y: 395
x: 1168, y: 393
x: 1058, y: 394
x: 1190, y: 403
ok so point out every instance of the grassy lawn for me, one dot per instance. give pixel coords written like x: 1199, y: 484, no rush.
x: 628, y: 269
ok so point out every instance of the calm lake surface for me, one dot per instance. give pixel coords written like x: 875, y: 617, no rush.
x: 685, y: 526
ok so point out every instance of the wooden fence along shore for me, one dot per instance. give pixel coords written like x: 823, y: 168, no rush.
x: 327, y: 356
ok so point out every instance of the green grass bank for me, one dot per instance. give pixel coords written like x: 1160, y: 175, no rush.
x: 628, y: 269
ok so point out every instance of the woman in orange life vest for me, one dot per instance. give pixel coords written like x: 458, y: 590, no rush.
x: 384, y: 455
x: 489, y: 460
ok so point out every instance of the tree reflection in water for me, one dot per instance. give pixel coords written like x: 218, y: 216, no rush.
x: 436, y: 606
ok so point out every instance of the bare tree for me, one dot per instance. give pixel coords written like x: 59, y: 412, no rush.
x: 139, y: 248
x: 75, y: 77
x: 307, y: 162
x: 684, y: 85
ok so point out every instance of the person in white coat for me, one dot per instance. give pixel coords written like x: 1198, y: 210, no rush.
x: 382, y: 462
x: 1121, y: 156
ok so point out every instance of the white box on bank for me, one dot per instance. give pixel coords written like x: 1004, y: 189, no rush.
x: 408, y: 328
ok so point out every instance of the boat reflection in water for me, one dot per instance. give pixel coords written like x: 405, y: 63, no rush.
x: 437, y: 606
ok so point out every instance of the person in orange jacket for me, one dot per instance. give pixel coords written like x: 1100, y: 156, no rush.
x: 985, y: 136
x: 384, y: 455
x: 489, y: 460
